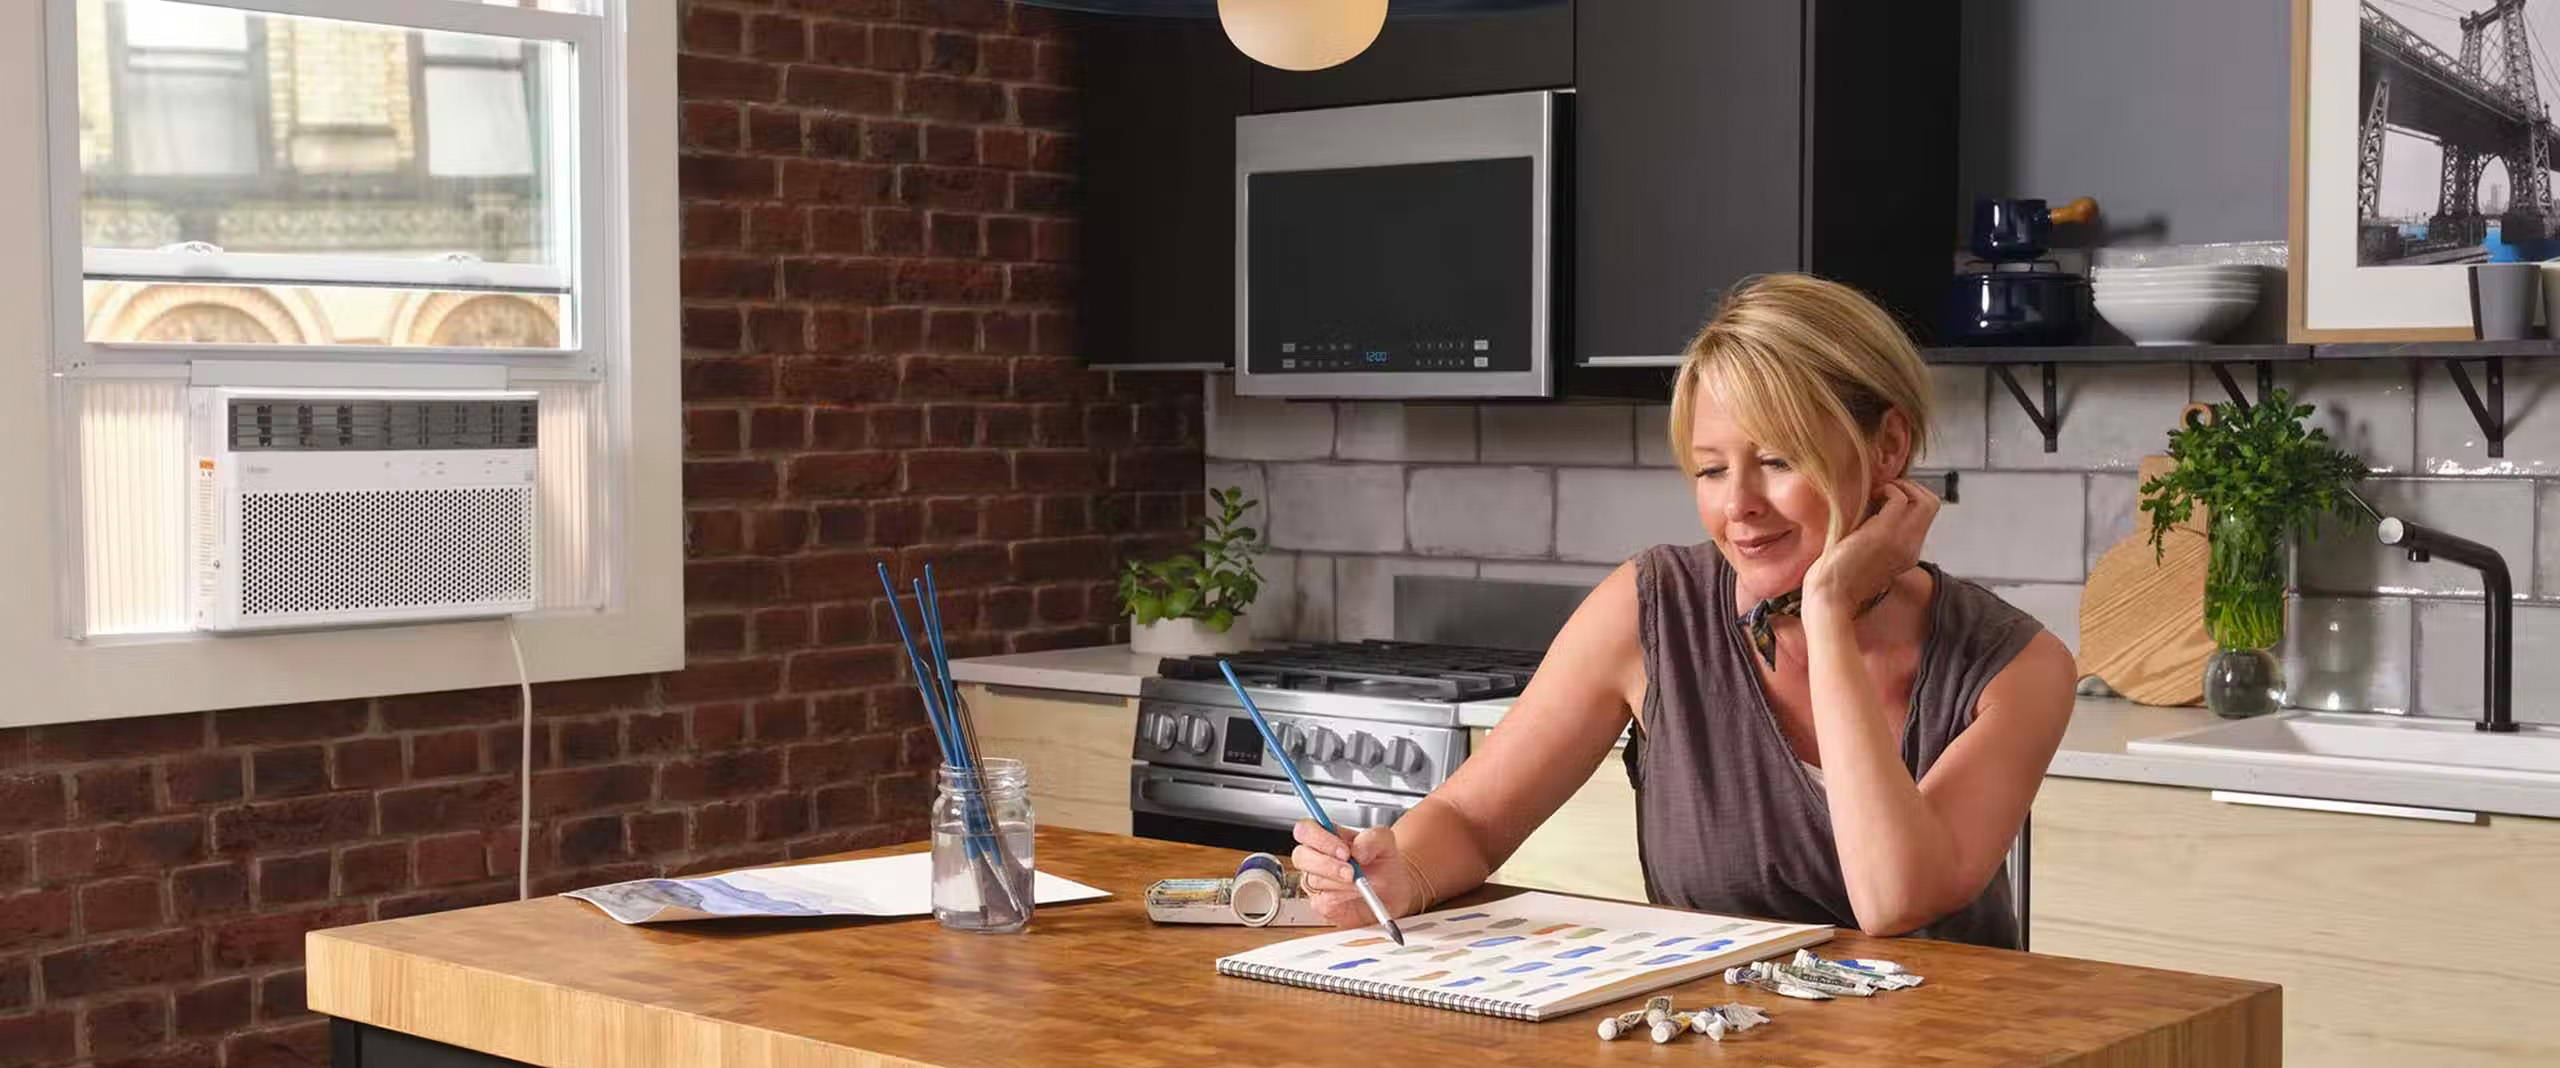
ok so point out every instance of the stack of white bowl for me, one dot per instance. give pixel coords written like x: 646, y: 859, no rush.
x: 2175, y: 305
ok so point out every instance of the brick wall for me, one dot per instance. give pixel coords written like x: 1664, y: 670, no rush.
x: 877, y: 366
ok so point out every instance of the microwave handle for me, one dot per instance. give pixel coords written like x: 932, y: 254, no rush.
x: 1276, y: 806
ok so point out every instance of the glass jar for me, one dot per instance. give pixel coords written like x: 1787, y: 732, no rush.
x: 2244, y: 614
x: 982, y: 847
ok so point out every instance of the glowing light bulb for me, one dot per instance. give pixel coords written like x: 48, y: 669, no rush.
x: 1302, y: 34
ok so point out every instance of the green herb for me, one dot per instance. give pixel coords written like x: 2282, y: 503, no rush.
x: 1212, y: 583
x: 2261, y: 475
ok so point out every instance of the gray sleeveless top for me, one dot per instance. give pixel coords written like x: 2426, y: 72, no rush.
x: 1727, y: 819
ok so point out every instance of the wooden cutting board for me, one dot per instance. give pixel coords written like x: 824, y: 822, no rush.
x: 2141, y: 620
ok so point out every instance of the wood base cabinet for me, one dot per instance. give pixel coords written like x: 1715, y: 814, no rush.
x: 1588, y: 846
x: 1075, y: 746
x: 2397, y: 941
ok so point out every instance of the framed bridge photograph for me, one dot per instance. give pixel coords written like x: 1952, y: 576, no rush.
x: 2422, y: 143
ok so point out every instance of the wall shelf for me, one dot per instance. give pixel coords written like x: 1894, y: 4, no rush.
x: 2047, y: 416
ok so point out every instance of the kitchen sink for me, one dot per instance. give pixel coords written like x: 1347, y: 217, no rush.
x: 2348, y: 740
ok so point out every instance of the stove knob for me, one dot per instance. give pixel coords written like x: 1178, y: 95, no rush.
x: 1404, y: 757
x: 1292, y: 740
x: 1197, y: 734
x: 1366, y: 751
x: 1327, y: 746
x: 1160, y: 729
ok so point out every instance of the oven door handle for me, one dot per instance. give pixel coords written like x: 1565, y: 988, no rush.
x: 1259, y: 804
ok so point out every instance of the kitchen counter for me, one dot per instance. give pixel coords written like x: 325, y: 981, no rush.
x: 552, y: 981
x: 2093, y: 747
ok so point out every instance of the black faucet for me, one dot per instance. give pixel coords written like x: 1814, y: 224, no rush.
x: 2498, y: 635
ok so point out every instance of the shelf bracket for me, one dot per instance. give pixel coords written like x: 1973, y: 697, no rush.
x: 2048, y: 419
x: 2266, y: 382
x: 2491, y: 416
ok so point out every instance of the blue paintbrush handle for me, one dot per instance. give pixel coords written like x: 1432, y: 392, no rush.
x: 1280, y: 756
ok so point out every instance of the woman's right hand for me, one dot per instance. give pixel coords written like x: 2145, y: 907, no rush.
x: 1324, y: 858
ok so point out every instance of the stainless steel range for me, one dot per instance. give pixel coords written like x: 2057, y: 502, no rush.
x: 1372, y: 725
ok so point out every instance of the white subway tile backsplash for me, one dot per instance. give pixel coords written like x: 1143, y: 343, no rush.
x: 1366, y: 591
x: 1583, y: 575
x: 1275, y: 608
x: 2450, y: 662
x: 2449, y: 439
x: 2057, y: 606
x: 1960, y: 439
x: 1337, y: 507
x: 1653, y: 437
x: 2496, y: 512
x: 1558, y: 434
x: 1414, y: 433
x: 2369, y: 407
x: 2114, y: 511
x: 2112, y: 416
x: 2347, y: 653
x: 2012, y: 526
x: 1481, y: 511
x: 1247, y: 477
x: 1605, y: 515
x: 1261, y: 428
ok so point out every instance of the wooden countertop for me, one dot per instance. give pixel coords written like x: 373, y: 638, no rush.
x: 553, y: 982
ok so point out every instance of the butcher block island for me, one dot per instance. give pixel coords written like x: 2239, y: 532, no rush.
x: 554, y: 982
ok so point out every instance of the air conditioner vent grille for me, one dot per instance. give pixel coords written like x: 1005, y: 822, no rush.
x: 359, y: 425
x: 338, y: 551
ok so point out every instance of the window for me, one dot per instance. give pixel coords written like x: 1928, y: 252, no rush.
x: 427, y: 194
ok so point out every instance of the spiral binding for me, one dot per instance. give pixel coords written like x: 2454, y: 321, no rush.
x: 1380, y: 989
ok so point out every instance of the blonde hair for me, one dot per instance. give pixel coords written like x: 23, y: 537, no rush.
x: 1808, y: 368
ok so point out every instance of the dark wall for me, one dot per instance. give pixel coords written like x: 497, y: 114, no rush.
x: 877, y: 365
x: 2173, y: 113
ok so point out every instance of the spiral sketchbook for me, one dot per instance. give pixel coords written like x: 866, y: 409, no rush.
x: 1527, y: 957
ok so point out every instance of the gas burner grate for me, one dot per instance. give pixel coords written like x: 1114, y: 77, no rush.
x: 1412, y: 669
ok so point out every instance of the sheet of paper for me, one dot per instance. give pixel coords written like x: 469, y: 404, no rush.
x: 880, y: 886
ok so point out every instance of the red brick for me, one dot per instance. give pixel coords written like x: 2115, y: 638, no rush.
x: 719, y: 826
x: 1061, y: 470
x: 712, y: 78
x: 836, y: 279
x: 1010, y: 58
x: 439, y: 900
x: 953, y: 145
x: 896, y: 48
x: 373, y: 869
x: 840, y: 44
x: 843, y: 524
x: 1043, y: 107
x: 778, y: 428
x: 730, y: 480
x: 1008, y: 609
x: 115, y: 849
x: 17, y: 861
x: 17, y: 984
x: 835, y: 229
x: 711, y: 430
x: 844, y: 669
x: 715, y: 726
x: 855, y: 760
x: 958, y: 471
x: 653, y: 733
x: 214, y: 1008
x: 452, y: 858
x: 710, y: 125
x: 953, y: 235
x: 1057, y: 238
x: 45, y: 1038
x: 718, y: 679
x: 1061, y: 516
x: 777, y: 37
x: 288, y: 772
x: 588, y: 741
x: 714, y: 533
x: 653, y: 833
x: 117, y: 1028
x: 896, y: 522
x: 858, y: 92
x: 120, y: 905
x: 1043, y: 192
x: 1011, y: 238
x: 473, y: 803
x: 951, y: 53
x: 708, y: 275
x: 365, y: 763
x: 954, y: 378
x: 951, y: 518
x: 777, y: 531
x: 273, y: 938
x: 953, y: 99
x: 851, y: 474
x: 713, y: 583
x: 840, y: 381
x: 208, y: 890
x: 292, y: 880
x: 848, y: 805
x: 590, y: 788
x: 709, y: 29
x: 1009, y: 519
x: 716, y: 329
x: 780, y: 816
x: 1156, y: 469
x: 275, y: 725
x: 999, y: 147
x: 115, y: 792
x: 1030, y: 283
x: 718, y: 775
x: 896, y: 329
x: 109, y: 739
x: 592, y: 840
x: 1065, y: 558
x: 956, y: 188
x: 930, y: 282
x: 301, y: 822
x: 301, y: 1045
x: 1053, y: 152
x: 35, y: 916
x: 896, y: 231
x: 103, y: 966
x: 1059, y: 604
x: 444, y: 753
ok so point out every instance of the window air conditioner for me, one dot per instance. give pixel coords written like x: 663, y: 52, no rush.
x: 323, y: 508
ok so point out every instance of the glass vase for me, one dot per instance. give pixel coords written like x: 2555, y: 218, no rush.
x: 2244, y: 615
x: 982, y: 827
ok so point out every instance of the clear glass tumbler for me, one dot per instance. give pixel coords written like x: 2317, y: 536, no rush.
x: 982, y: 847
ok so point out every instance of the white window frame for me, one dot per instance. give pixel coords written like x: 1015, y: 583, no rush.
x: 625, y: 262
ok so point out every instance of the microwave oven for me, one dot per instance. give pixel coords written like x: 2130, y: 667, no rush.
x: 1403, y: 250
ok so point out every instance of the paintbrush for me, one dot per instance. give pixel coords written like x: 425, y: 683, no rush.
x: 1280, y: 756
x: 964, y: 738
x: 983, y: 858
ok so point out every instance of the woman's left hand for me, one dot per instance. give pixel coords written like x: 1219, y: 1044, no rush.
x: 1885, y: 545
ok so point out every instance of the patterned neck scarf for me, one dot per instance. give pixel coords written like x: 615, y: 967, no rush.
x: 1761, y: 621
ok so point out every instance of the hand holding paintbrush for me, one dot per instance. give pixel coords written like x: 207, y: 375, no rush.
x: 1280, y: 755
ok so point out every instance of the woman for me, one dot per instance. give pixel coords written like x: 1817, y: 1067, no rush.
x: 1827, y: 730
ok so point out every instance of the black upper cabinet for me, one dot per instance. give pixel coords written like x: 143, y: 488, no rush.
x: 1717, y: 139
x: 1159, y: 98
x: 1419, y: 57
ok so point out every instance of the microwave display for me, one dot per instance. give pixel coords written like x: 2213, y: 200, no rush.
x: 1417, y: 267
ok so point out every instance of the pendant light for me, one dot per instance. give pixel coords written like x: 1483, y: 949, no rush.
x: 1302, y: 34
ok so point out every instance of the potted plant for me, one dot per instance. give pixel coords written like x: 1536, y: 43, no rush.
x: 1194, y: 603
x: 2260, y: 476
